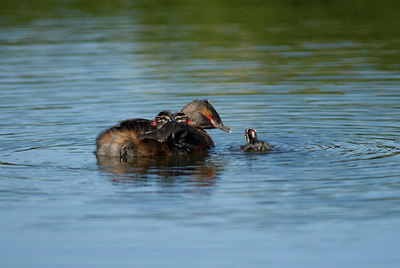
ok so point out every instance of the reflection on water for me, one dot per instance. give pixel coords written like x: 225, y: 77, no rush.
x: 320, y: 80
x: 200, y: 170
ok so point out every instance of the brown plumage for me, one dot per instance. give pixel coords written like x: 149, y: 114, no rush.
x: 181, y: 133
x: 115, y: 140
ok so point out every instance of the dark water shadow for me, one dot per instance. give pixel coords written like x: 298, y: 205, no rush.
x: 198, y: 169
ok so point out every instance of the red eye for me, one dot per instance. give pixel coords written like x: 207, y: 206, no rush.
x: 209, y: 117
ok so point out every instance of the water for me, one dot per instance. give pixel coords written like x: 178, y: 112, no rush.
x: 319, y: 81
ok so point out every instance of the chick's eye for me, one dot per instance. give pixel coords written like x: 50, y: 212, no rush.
x: 209, y: 117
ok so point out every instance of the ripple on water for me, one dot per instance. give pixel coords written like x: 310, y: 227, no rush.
x: 329, y: 105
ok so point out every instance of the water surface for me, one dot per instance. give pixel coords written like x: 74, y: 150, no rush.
x: 319, y: 81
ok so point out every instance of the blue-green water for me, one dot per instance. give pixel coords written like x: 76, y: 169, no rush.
x: 319, y: 81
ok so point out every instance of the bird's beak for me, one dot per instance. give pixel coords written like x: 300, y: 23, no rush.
x: 223, y: 127
x: 220, y: 126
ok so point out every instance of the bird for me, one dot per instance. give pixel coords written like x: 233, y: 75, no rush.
x: 182, y: 118
x: 253, y: 143
x: 168, y: 134
x: 186, y: 134
x: 203, y: 115
x: 114, y: 140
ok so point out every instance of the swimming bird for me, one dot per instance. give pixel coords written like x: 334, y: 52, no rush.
x: 168, y: 134
x: 253, y: 143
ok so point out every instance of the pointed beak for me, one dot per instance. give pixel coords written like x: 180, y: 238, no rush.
x: 220, y: 126
x: 223, y: 127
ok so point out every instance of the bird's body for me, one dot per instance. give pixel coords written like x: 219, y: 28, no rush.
x: 181, y: 133
x: 115, y: 140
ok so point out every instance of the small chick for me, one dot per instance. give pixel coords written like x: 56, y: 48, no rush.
x: 253, y: 143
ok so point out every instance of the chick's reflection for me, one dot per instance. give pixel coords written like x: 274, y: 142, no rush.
x: 198, y: 168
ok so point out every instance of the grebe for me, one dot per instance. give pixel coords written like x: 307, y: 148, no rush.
x: 253, y: 143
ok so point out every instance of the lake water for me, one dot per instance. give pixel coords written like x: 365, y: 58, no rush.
x: 319, y: 81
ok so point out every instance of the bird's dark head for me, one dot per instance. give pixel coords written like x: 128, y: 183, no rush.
x: 204, y: 116
x: 250, y: 135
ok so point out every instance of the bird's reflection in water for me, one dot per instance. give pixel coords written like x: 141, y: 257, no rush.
x: 198, y: 169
